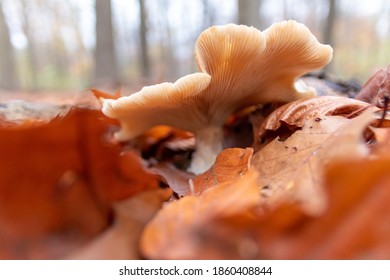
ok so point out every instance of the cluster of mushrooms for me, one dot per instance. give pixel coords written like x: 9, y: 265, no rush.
x: 240, y: 66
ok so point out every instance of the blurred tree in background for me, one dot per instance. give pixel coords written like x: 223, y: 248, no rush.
x: 105, y: 60
x: 249, y: 13
x: 68, y: 45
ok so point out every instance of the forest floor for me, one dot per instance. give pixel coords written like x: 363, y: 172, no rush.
x: 305, y: 180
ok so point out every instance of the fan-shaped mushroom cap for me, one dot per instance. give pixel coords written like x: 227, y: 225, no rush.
x: 241, y: 66
x: 167, y: 103
x: 251, y: 67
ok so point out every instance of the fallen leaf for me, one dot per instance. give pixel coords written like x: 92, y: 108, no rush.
x: 376, y: 88
x: 294, y: 114
x: 173, y: 232
x: 121, y: 240
x: 230, y: 164
x: 293, y: 169
x: 354, y: 226
x: 58, y: 180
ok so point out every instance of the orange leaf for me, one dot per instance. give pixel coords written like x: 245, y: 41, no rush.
x: 292, y: 169
x: 376, y: 88
x: 353, y: 227
x: 230, y: 164
x: 62, y: 177
x: 295, y: 114
x: 173, y: 232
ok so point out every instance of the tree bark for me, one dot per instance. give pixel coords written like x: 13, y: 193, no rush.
x: 8, y: 76
x: 105, y: 59
x: 145, y: 63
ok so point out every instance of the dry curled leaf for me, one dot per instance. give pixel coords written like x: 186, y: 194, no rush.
x: 293, y: 169
x: 376, y: 88
x: 174, y: 232
x: 294, y: 114
x: 230, y: 164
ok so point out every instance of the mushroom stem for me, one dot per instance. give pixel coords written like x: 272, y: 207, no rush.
x: 209, y: 141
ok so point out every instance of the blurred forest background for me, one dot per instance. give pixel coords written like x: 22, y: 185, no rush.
x: 75, y: 44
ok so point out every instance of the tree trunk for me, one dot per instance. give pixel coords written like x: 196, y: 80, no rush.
x: 328, y: 35
x: 105, y: 60
x: 8, y: 76
x: 170, y: 66
x: 249, y: 12
x: 330, y: 22
x: 145, y: 63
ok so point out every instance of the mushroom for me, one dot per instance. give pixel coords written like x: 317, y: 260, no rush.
x: 240, y: 66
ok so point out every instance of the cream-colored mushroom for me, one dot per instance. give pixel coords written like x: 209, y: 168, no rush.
x: 241, y: 66
x: 172, y: 104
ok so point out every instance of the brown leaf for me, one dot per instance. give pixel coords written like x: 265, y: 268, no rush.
x: 293, y: 115
x: 230, y: 164
x: 121, y: 240
x: 58, y: 180
x: 353, y: 227
x: 173, y: 232
x: 376, y: 88
x: 292, y: 169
